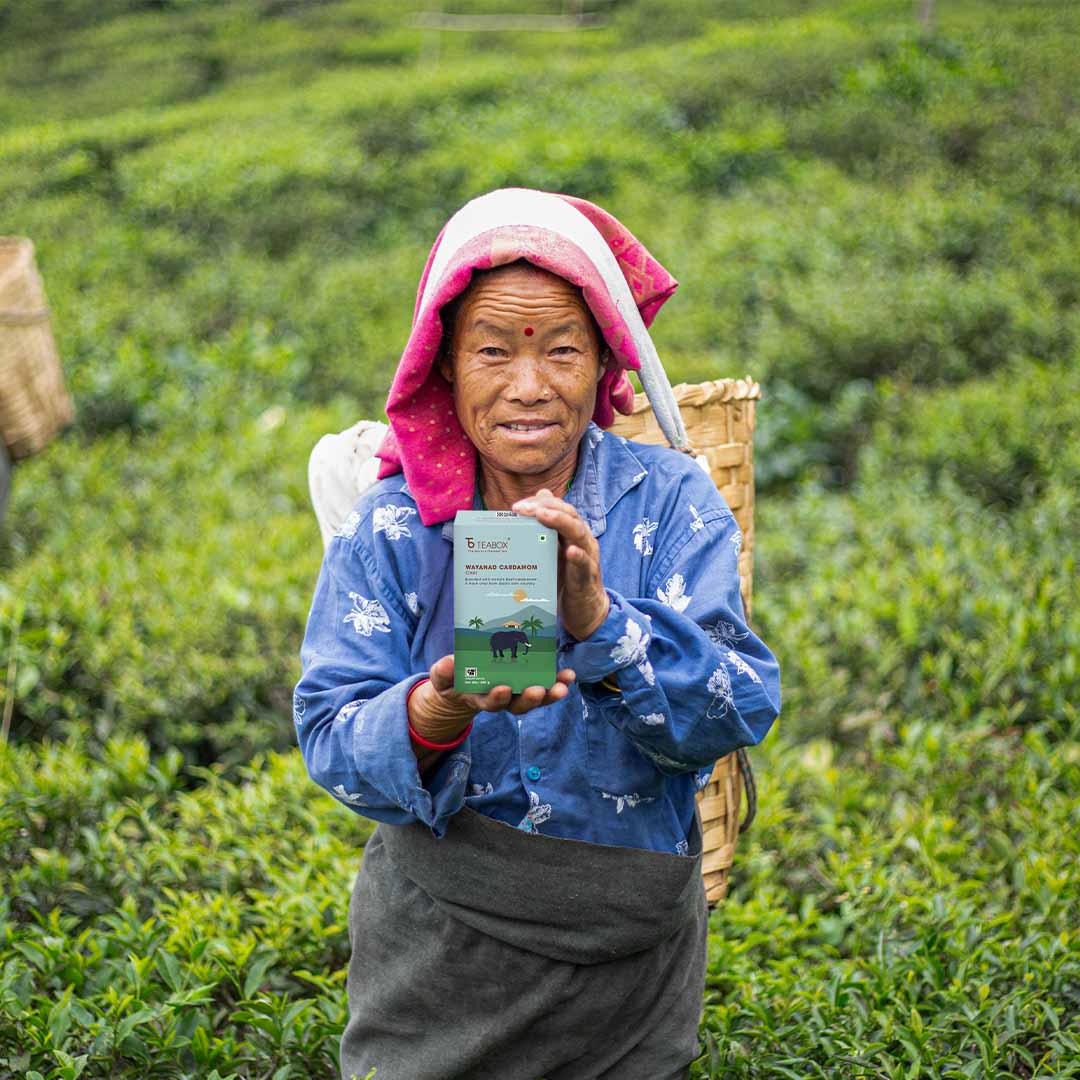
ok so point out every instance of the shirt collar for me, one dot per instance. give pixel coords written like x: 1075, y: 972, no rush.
x: 607, y: 470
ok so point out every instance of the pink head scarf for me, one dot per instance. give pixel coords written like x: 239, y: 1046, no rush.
x: 623, y: 285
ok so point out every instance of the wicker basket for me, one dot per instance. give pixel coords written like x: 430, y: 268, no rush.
x: 719, y: 418
x: 34, y: 404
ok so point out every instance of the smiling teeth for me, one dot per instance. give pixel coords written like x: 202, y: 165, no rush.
x: 527, y: 427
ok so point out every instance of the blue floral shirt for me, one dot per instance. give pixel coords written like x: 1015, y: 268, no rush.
x: 611, y: 768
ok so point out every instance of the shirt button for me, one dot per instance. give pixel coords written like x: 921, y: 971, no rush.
x: 533, y: 772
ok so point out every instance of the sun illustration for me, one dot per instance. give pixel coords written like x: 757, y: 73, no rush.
x: 519, y: 596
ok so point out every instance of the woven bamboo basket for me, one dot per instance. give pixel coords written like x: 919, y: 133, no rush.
x: 34, y: 404
x: 719, y: 419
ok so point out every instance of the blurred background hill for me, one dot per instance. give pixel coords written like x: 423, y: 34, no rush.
x: 232, y: 203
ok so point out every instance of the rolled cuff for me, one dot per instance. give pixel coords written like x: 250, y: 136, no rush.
x: 384, y: 754
x: 617, y: 643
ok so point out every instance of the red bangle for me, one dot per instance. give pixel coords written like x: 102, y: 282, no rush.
x: 427, y: 743
x: 421, y: 741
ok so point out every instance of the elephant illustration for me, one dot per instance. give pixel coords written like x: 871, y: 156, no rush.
x: 508, y: 639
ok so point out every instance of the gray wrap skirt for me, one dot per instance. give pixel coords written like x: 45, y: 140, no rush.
x: 494, y: 953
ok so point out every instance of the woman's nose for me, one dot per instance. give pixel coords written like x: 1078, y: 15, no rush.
x: 528, y: 382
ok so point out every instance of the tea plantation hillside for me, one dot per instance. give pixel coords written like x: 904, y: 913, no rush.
x: 232, y: 203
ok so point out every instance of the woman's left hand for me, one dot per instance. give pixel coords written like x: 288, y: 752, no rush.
x: 583, y: 601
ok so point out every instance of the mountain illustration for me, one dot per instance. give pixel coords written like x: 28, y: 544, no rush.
x: 520, y: 615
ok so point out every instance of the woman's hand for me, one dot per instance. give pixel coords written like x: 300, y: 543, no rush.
x: 583, y: 601
x: 440, y: 713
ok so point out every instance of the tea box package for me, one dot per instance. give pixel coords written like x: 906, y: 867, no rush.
x: 505, y: 610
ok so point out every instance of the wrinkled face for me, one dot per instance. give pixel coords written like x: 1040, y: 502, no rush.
x: 524, y: 366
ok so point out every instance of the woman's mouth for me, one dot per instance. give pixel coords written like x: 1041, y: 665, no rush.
x: 529, y: 430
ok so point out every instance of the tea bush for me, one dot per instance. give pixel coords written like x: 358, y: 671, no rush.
x: 162, y: 585
x: 899, y: 909
x: 1003, y: 441
x: 917, y: 591
x: 146, y: 929
x: 843, y: 199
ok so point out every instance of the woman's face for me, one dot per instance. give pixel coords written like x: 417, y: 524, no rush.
x: 524, y: 366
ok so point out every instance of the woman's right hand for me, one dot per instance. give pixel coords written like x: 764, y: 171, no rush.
x: 440, y: 713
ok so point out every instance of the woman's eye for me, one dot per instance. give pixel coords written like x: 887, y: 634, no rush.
x: 564, y: 350
x: 491, y: 350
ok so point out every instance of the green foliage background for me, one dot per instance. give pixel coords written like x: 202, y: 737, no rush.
x: 232, y: 203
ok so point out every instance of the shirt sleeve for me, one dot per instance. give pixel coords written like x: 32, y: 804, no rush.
x: 349, y: 705
x: 695, y: 682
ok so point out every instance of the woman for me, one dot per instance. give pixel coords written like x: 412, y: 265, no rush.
x: 532, y: 903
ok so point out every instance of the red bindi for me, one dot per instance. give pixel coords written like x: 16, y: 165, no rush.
x: 528, y: 331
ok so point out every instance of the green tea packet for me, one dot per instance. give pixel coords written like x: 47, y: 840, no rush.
x: 505, y: 601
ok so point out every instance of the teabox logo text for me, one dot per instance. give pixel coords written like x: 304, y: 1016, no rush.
x: 486, y: 545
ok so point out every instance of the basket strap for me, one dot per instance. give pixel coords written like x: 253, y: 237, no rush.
x: 24, y: 318
x: 657, y: 387
x: 750, y: 784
